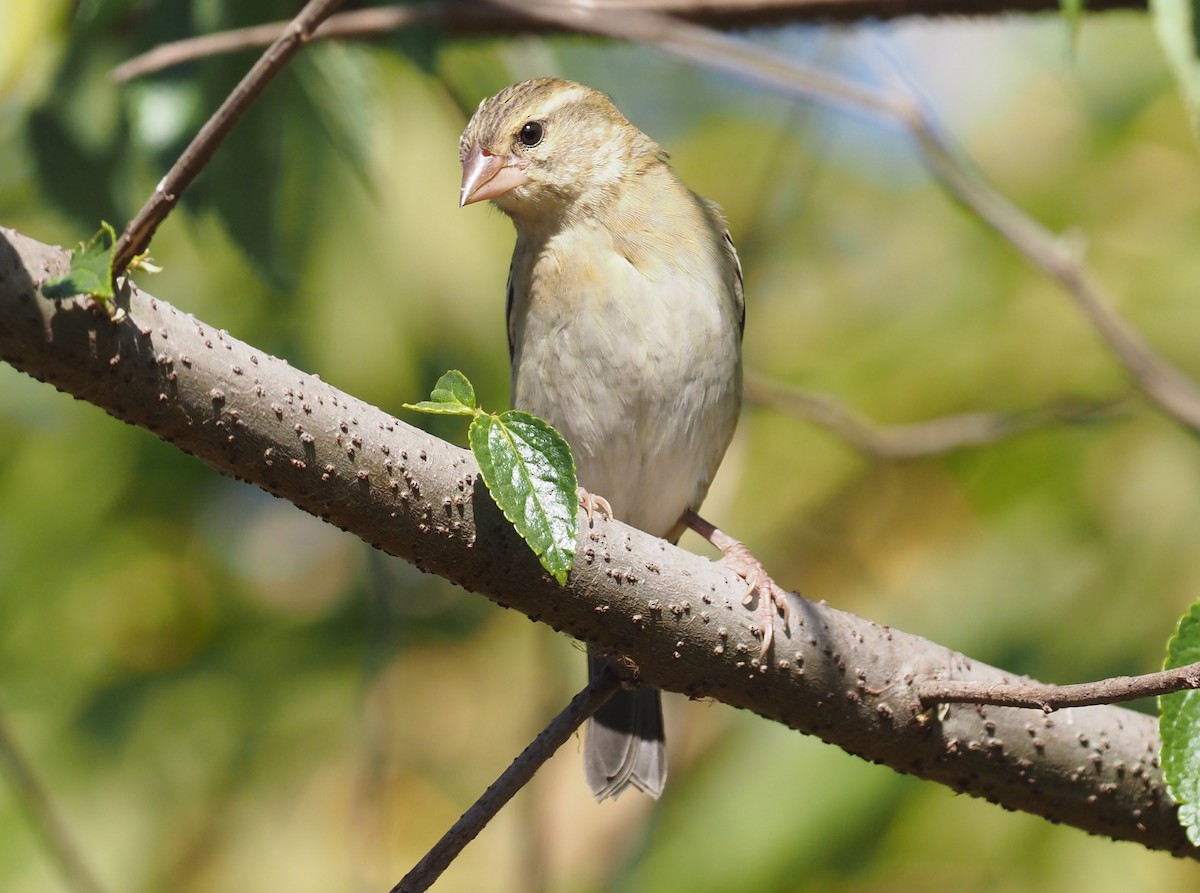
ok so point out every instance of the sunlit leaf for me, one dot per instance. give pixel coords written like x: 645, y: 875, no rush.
x: 528, y: 468
x: 1179, y: 728
x: 91, y: 269
x: 452, y: 395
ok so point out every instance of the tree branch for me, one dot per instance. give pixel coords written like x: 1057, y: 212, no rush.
x: 677, y: 616
x: 919, y: 439
x: 1048, y: 698
x: 469, y: 17
x: 293, y: 35
x: 358, y: 23
x: 31, y: 794
x: 519, y: 773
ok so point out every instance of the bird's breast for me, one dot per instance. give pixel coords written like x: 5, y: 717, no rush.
x: 635, y: 358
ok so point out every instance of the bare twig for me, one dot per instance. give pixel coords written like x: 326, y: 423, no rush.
x: 136, y: 237
x: 1061, y: 259
x: 1049, y: 698
x: 468, y: 16
x: 355, y: 23
x: 33, y: 797
x: 928, y: 438
x: 602, y: 687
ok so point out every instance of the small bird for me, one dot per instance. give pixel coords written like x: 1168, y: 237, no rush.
x: 625, y: 316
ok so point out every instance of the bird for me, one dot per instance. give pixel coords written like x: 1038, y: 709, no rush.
x: 625, y: 313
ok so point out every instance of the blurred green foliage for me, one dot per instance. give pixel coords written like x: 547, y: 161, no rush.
x: 221, y: 693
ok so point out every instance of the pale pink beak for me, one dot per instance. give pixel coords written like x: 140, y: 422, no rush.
x: 488, y: 176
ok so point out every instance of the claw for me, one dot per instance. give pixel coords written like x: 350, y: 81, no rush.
x: 768, y: 638
x: 591, y: 503
x: 772, y: 598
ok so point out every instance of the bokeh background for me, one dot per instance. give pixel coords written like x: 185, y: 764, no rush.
x: 220, y: 693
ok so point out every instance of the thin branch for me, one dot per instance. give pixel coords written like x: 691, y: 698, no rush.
x: 137, y: 235
x: 468, y: 17
x: 1061, y: 258
x: 593, y: 696
x: 919, y: 439
x: 30, y: 793
x: 1048, y: 698
x: 360, y: 23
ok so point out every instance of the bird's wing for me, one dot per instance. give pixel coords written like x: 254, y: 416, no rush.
x: 508, y: 307
x: 739, y: 295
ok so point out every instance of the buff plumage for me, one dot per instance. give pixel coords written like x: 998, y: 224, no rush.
x: 625, y: 316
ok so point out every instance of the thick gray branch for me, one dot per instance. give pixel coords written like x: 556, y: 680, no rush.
x: 677, y: 616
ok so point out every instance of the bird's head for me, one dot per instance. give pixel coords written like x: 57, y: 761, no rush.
x: 543, y: 147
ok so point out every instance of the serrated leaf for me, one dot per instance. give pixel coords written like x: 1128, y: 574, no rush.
x: 1183, y: 776
x: 452, y: 395
x: 1175, y: 22
x: 528, y: 469
x: 454, y: 387
x: 91, y: 269
x: 1179, y: 727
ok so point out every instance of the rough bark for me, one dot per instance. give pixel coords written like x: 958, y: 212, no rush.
x: 677, y: 616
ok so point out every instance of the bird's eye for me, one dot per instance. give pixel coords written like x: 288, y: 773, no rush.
x: 531, y: 134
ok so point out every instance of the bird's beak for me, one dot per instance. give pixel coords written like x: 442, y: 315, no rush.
x: 488, y: 176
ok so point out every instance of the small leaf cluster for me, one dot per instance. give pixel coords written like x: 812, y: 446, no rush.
x: 527, y: 467
x: 91, y: 269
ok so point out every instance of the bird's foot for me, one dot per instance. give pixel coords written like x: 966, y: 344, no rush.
x: 772, y: 598
x: 592, y: 503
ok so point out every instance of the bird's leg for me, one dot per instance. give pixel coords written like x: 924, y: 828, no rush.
x: 592, y: 503
x: 737, y: 557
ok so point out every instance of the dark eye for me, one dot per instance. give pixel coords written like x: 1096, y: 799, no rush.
x: 531, y: 134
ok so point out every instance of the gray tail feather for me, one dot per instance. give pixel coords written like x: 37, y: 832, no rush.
x: 625, y: 743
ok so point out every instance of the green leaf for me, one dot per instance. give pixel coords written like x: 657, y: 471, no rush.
x: 335, y: 82
x: 1179, y: 727
x: 91, y: 269
x: 1175, y: 21
x: 452, y: 395
x: 454, y: 387
x: 528, y: 468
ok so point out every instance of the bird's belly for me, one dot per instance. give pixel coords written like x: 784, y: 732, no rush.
x: 648, y: 421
